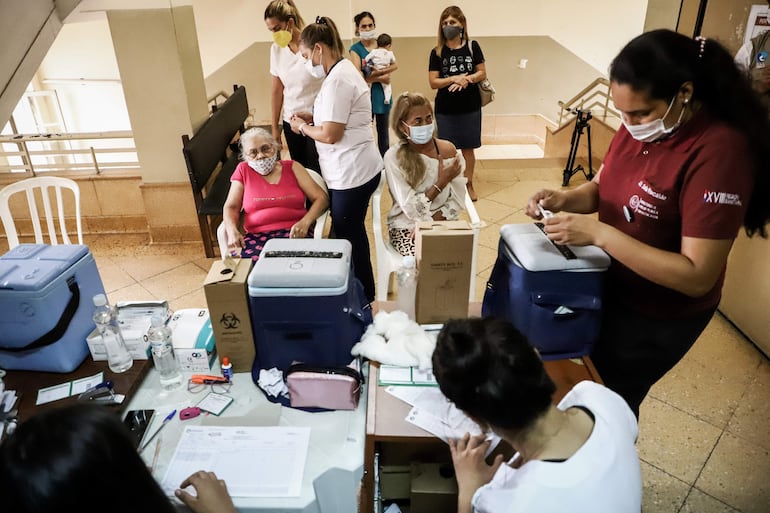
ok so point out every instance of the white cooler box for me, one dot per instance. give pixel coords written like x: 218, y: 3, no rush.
x: 553, y: 300
x: 46, y: 306
x: 306, y: 306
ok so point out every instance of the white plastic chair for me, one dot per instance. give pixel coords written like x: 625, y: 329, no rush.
x: 389, y: 260
x: 43, y: 186
x: 320, y: 223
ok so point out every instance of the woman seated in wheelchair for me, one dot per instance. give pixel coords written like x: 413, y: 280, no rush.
x: 425, y: 174
x: 278, y: 198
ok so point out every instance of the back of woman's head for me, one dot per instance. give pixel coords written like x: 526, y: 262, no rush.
x: 76, y: 458
x: 486, y: 367
x: 323, y: 31
x: 659, y: 62
x: 283, y: 10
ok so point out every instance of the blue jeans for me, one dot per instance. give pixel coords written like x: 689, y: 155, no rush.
x: 348, y: 211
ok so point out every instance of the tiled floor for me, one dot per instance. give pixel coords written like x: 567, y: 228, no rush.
x: 704, y: 435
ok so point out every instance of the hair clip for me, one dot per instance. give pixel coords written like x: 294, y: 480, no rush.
x: 321, y: 20
x: 702, y: 41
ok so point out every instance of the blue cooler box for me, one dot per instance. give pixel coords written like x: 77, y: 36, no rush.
x: 554, y: 301
x: 305, y: 305
x: 46, y: 306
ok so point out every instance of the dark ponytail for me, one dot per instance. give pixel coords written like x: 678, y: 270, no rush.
x: 323, y: 31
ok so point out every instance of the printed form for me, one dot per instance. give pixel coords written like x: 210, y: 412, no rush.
x: 239, y: 455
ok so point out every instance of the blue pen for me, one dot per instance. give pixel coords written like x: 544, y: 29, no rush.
x: 162, y: 425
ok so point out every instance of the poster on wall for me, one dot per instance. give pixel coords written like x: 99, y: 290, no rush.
x: 759, y: 21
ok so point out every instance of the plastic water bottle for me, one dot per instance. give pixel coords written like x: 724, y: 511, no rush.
x: 159, y: 336
x: 106, y: 320
x: 406, y: 277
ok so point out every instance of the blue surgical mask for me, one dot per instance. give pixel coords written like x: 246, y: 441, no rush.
x: 655, y: 129
x: 315, y: 70
x: 420, y: 134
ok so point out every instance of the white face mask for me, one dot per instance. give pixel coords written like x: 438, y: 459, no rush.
x: 654, y: 130
x: 420, y: 134
x: 368, y: 34
x: 263, y: 166
x: 315, y: 70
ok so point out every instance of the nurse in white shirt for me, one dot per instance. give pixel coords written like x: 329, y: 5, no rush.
x: 341, y: 126
x: 293, y: 88
x: 579, y: 455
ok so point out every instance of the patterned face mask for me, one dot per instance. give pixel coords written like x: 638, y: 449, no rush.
x: 263, y: 166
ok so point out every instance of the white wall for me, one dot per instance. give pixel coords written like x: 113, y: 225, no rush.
x: 84, y: 50
x: 594, y: 30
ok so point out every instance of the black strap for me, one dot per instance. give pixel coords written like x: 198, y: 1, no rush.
x: 64, y: 321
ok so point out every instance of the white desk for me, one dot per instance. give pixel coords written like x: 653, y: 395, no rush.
x: 335, y: 458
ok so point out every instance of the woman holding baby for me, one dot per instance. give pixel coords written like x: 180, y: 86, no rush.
x: 425, y: 174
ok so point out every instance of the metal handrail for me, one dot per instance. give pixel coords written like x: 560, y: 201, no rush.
x: 36, y: 154
x: 586, y: 100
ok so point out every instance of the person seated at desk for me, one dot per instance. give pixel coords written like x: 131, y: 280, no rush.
x: 577, y: 456
x: 82, y: 458
x: 273, y: 195
x: 424, y: 173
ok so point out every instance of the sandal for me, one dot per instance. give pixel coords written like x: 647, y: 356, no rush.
x: 471, y: 191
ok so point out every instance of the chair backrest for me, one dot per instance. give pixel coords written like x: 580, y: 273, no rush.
x: 388, y: 259
x: 43, y: 186
x: 320, y: 223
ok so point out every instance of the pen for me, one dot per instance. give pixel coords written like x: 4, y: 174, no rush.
x: 162, y: 425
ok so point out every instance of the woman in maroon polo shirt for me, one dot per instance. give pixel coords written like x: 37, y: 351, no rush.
x: 686, y: 170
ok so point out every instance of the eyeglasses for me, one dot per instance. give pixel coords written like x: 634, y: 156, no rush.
x: 266, y: 150
x: 199, y: 382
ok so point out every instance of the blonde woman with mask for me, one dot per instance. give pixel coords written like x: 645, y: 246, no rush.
x: 424, y: 173
x: 293, y: 89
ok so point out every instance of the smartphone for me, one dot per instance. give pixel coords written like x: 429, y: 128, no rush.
x: 137, y: 421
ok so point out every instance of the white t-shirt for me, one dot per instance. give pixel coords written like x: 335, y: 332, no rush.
x: 344, y: 98
x: 299, y: 87
x: 380, y: 58
x: 603, y: 476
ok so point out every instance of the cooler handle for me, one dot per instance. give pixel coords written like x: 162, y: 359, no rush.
x: 569, y: 301
x: 64, y: 321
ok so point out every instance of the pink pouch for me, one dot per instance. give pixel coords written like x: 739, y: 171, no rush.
x: 333, y: 388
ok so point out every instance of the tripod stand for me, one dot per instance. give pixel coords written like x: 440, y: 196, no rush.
x: 581, y: 122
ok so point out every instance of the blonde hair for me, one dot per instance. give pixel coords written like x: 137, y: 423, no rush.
x: 454, y: 12
x: 323, y: 31
x: 409, y: 160
x: 283, y: 10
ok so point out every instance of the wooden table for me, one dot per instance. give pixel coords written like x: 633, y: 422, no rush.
x: 27, y: 383
x: 386, y: 424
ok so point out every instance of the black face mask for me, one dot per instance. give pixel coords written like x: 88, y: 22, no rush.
x: 451, y: 31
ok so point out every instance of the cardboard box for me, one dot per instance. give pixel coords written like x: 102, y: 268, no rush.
x: 434, y: 488
x: 193, y: 339
x: 134, y: 319
x: 227, y: 297
x: 444, y: 252
x: 395, y: 482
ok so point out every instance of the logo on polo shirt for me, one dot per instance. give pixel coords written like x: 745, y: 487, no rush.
x: 722, y: 198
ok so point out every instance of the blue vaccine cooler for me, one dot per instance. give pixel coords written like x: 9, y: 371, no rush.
x: 553, y: 295
x: 306, y: 305
x: 46, y: 306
